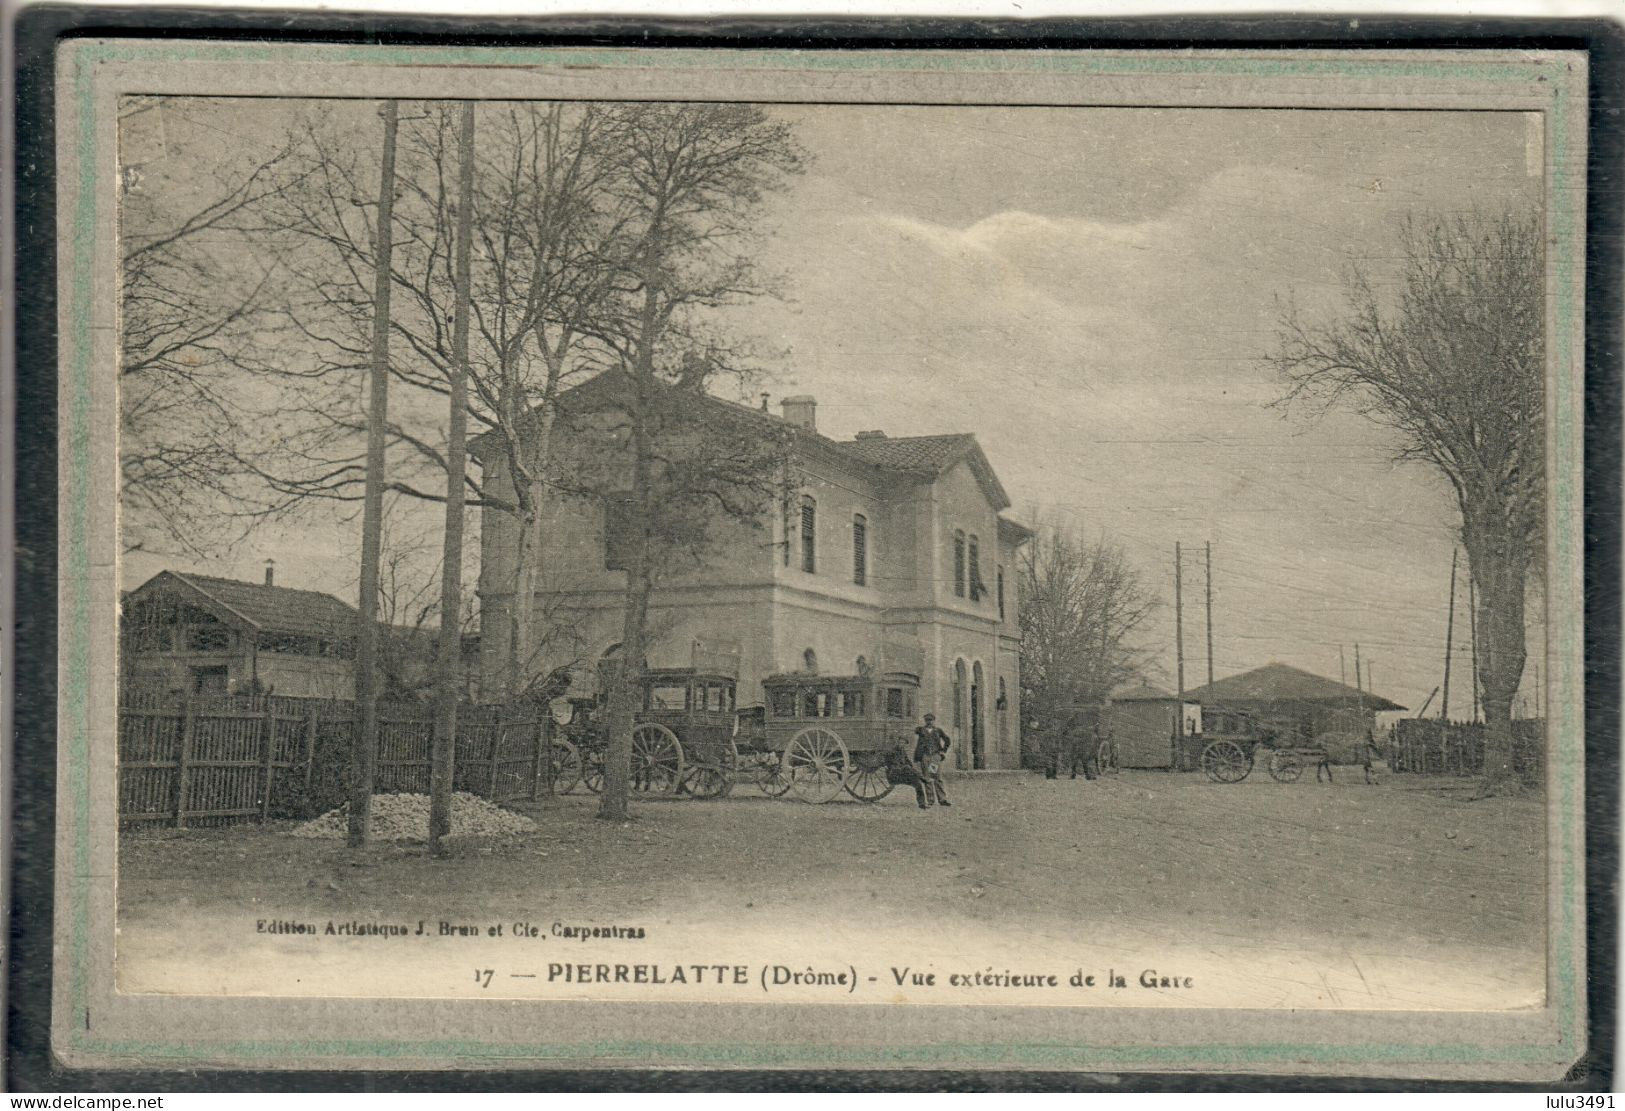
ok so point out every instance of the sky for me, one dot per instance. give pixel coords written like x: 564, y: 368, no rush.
x: 1091, y: 291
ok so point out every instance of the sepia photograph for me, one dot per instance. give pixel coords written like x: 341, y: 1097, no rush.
x: 973, y: 537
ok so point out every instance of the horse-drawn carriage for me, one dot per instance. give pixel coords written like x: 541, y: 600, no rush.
x: 815, y: 736
x: 682, y: 736
x: 1230, y: 757
x: 833, y: 731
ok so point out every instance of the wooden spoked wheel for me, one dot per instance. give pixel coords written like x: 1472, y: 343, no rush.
x: 565, y: 769
x: 705, y: 781
x: 1106, y: 758
x: 772, y: 779
x: 592, y: 771
x: 711, y: 776
x: 1285, y: 767
x: 1226, y: 762
x: 657, y: 759
x: 816, y: 763
x: 868, y: 781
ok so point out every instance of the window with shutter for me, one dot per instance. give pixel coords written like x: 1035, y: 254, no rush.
x: 959, y: 564
x: 1001, y: 597
x: 977, y: 589
x: 809, y: 535
x: 860, y: 550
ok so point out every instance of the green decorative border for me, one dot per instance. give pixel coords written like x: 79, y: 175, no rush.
x: 74, y: 635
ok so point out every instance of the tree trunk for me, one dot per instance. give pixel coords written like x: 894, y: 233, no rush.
x: 522, y: 608
x: 527, y: 555
x: 640, y: 571
x: 1498, y: 562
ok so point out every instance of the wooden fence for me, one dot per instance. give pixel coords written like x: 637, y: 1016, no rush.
x: 216, y: 761
x: 1427, y: 746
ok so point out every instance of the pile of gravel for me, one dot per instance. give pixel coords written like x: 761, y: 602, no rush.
x: 406, y: 818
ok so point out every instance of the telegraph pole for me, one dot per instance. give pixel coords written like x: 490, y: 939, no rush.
x: 1179, y: 624
x: 1449, y: 640
x: 450, y: 653
x: 1209, y: 547
x: 364, y: 748
x: 1472, y: 617
x: 1342, y: 667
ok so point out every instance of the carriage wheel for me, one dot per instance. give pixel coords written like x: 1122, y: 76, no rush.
x: 772, y: 778
x: 592, y: 771
x: 1106, y: 758
x: 566, y: 769
x: 868, y: 781
x: 816, y: 763
x: 1285, y: 767
x: 729, y: 766
x: 1226, y: 762
x: 706, y: 781
x: 712, y: 775
x: 657, y: 759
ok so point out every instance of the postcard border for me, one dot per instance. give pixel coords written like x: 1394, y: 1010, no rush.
x: 76, y: 613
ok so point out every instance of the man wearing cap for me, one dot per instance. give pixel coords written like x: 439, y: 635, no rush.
x: 930, y: 744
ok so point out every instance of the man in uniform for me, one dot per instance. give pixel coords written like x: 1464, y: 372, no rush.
x: 930, y: 743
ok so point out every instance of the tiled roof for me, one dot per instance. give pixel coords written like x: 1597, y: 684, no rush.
x: 1276, y: 682
x: 927, y: 455
x: 278, y: 609
x: 924, y: 456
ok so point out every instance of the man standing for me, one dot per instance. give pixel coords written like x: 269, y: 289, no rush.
x: 929, y: 745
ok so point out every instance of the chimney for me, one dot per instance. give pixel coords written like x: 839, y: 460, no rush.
x: 801, y: 409
x: 764, y: 403
x: 871, y: 434
x: 270, y: 571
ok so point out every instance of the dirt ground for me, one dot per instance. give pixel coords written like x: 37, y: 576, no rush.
x: 1403, y: 894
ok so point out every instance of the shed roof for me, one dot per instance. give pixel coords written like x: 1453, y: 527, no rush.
x: 1143, y: 692
x: 277, y: 609
x: 1278, y: 682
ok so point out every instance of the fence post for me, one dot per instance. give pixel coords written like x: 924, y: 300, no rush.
x: 267, y: 754
x: 543, y: 779
x: 183, y: 763
x: 310, y: 746
x: 497, y: 737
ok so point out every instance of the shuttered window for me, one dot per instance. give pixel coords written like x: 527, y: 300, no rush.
x: 860, y: 550
x: 959, y: 564
x: 809, y: 535
x: 1001, y: 602
x: 978, y: 589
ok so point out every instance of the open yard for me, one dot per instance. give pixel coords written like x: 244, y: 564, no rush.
x: 1404, y: 894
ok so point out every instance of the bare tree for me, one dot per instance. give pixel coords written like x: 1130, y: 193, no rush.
x: 194, y: 305
x: 1082, y: 605
x: 1449, y: 354
x: 693, y: 177
x: 544, y: 224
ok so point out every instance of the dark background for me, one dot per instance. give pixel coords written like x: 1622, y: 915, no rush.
x: 37, y: 31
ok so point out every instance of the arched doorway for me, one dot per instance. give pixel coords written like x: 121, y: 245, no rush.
x: 978, y: 735
x: 959, y: 715
x: 1001, y: 714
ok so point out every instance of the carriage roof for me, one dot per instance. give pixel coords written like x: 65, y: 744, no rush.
x: 809, y: 679
x: 683, y: 674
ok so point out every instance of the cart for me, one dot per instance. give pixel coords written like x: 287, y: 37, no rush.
x: 1230, y: 757
x: 682, y: 737
x: 832, y: 732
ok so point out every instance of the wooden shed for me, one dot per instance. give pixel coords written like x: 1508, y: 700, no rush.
x: 1302, y: 707
x: 1144, y: 721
